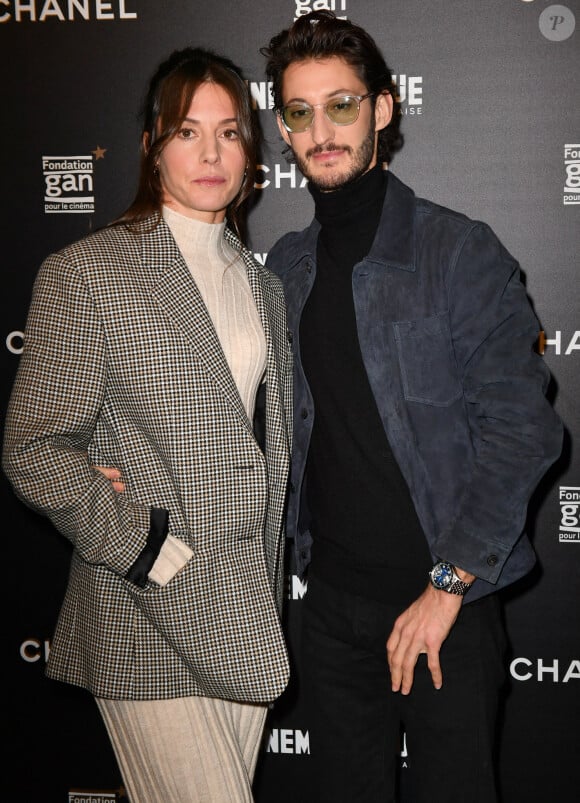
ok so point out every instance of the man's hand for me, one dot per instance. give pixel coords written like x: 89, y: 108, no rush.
x: 421, y: 628
x: 114, y: 475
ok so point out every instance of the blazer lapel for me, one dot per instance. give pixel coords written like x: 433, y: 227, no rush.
x: 276, y: 441
x: 178, y: 295
x: 277, y: 451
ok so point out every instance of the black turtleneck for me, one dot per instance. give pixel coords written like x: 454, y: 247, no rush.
x: 367, y: 537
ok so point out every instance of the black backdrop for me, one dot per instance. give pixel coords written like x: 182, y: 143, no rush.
x: 492, y: 127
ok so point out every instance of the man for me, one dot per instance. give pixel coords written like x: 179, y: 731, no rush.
x: 421, y: 430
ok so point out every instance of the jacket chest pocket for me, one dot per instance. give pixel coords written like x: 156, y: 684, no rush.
x: 427, y: 361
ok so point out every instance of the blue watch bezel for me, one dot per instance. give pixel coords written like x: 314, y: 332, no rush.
x: 442, y: 575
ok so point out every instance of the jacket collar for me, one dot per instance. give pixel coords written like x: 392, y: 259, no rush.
x: 394, y: 243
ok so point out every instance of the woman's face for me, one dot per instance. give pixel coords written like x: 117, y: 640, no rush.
x: 202, y: 168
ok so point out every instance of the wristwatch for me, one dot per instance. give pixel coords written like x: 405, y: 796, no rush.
x: 444, y: 578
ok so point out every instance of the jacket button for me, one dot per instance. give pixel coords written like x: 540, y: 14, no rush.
x: 290, y: 336
x: 304, y: 413
x: 492, y: 560
x: 303, y: 554
x: 309, y: 266
x: 292, y: 488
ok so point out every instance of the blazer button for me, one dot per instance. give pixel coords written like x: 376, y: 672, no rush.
x: 290, y: 336
x: 304, y: 413
x: 492, y: 560
x: 292, y: 488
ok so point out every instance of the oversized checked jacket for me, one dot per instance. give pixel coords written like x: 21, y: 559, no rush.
x: 122, y: 367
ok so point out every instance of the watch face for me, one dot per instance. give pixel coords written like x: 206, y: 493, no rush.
x: 442, y: 575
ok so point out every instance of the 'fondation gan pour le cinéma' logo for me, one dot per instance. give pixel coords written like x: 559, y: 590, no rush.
x: 569, y: 514
x: 68, y: 184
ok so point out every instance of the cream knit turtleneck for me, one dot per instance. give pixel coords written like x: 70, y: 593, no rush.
x: 220, y: 275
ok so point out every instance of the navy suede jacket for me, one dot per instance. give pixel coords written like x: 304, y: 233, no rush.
x: 446, y: 333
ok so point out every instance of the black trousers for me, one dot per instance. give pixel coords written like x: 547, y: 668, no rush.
x: 355, y: 721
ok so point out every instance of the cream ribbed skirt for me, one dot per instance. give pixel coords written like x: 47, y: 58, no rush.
x: 185, y: 750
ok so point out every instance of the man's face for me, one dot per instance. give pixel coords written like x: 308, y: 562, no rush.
x: 330, y: 155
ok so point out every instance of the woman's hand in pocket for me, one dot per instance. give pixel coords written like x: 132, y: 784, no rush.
x: 114, y: 475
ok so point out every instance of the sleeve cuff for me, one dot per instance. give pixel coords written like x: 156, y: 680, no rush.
x: 172, y: 558
x: 158, y: 528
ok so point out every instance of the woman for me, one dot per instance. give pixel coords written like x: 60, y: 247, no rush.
x: 147, y: 345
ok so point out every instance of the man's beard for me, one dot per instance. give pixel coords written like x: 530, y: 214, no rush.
x: 359, y: 165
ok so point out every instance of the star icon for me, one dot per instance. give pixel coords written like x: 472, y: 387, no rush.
x: 99, y: 152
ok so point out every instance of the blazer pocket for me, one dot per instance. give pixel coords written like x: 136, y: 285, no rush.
x: 427, y: 361
x: 219, y: 616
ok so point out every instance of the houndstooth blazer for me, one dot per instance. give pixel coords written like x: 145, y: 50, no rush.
x: 122, y: 367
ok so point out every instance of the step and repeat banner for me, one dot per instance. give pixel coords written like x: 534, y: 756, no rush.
x: 489, y: 94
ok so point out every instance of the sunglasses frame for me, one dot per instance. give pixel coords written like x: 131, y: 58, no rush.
x: 359, y: 99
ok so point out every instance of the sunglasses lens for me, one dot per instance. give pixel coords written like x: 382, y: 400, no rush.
x: 343, y: 111
x: 297, y: 116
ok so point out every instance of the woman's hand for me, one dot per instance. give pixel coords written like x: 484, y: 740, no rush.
x: 114, y: 475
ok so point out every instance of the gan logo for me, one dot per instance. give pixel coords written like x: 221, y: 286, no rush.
x: 572, y: 168
x: 68, y: 184
x: 410, y: 93
x: 306, y: 6
x: 569, y: 515
x: 65, y: 10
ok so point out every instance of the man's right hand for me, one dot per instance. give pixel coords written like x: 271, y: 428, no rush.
x: 421, y: 628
